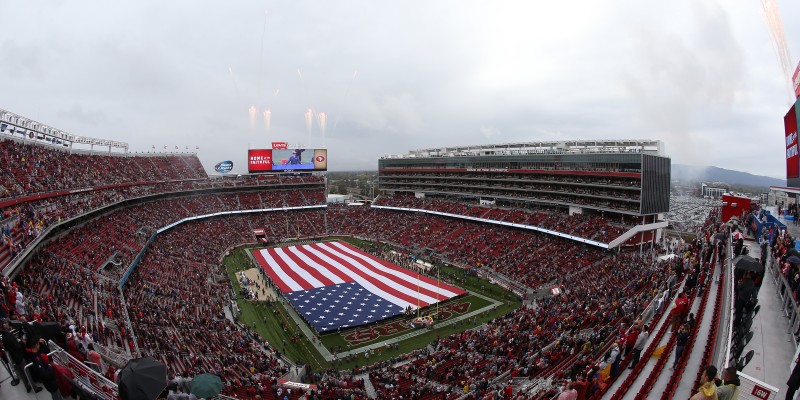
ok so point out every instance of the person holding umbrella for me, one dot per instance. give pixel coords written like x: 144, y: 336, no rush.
x: 744, y: 292
x: 142, y: 379
x: 205, y: 386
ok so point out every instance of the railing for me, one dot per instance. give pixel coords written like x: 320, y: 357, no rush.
x: 129, y: 270
x: 752, y: 388
x: 723, y: 357
x: 503, y: 281
x: 116, y: 359
x: 788, y: 303
x: 85, y: 377
x: 128, y: 324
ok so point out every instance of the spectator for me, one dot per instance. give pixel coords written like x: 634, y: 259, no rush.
x: 708, y: 389
x: 641, y: 340
x: 569, y: 393
x: 730, y: 385
x: 679, y: 311
x: 794, y: 380
x: 41, y: 370
x: 94, y: 357
x: 680, y: 344
x: 16, y: 353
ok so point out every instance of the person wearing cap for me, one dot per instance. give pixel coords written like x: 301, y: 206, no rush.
x: 83, y: 338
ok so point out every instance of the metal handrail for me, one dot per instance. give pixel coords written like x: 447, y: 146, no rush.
x: 85, y: 377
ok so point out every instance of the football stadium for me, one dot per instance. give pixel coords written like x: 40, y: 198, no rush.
x: 541, y: 267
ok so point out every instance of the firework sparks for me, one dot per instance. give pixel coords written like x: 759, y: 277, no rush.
x: 309, y: 116
x: 253, y: 111
x: 773, y: 17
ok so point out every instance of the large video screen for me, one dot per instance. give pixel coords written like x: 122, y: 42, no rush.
x: 792, y: 157
x: 259, y: 160
x: 300, y: 160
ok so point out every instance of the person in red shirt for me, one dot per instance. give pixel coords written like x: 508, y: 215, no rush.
x: 581, y: 386
x: 630, y: 339
x: 680, y: 311
x: 94, y: 357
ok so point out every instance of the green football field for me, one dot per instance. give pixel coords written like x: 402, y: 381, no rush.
x: 273, y: 323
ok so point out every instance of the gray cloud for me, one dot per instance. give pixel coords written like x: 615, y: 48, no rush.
x: 700, y: 75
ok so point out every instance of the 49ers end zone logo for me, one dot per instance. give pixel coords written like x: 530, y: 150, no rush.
x: 370, y: 333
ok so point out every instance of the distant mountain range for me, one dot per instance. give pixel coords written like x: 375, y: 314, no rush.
x: 693, y: 173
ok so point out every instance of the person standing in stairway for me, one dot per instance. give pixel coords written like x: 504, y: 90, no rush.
x: 679, y: 311
x: 680, y: 344
x: 614, y: 359
x: 639, y: 346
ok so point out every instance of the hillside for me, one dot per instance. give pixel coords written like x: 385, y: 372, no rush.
x: 693, y: 173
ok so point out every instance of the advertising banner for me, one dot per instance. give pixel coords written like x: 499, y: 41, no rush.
x: 259, y: 160
x: 321, y: 159
x: 224, y: 167
x: 790, y: 125
x: 280, y: 145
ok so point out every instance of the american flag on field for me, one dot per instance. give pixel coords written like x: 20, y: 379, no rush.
x: 336, y: 285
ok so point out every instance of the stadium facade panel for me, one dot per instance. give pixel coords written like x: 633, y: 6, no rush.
x: 620, y: 180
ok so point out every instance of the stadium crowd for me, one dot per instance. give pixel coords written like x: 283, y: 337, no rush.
x: 29, y: 169
x: 175, y: 297
x: 194, y: 335
x: 21, y: 223
x: 595, y: 227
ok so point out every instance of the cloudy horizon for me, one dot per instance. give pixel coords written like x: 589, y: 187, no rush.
x: 702, y: 76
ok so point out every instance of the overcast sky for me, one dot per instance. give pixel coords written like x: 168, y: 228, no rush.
x: 701, y: 75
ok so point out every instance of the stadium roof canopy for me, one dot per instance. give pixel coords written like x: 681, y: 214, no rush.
x: 35, y: 131
x: 654, y: 147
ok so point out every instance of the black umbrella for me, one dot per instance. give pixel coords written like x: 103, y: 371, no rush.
x: 794, y: 252
x: 794, y: 259
x: 747, y: 263
x: 142, y: 379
